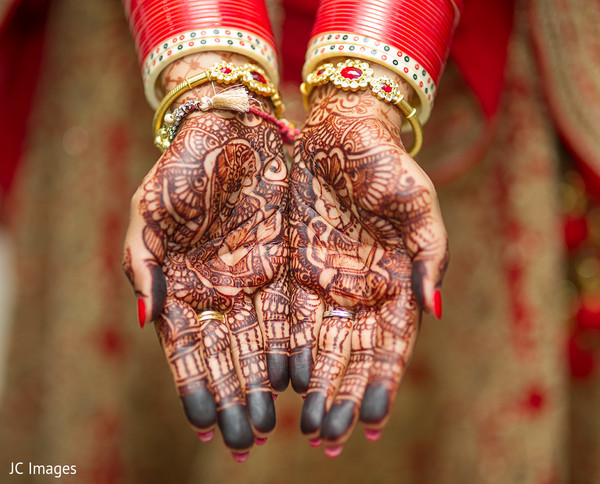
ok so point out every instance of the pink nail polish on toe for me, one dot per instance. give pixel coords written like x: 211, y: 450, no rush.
x: 334, y: 451
x: 260, y: 440
x: 373, y: 435
x: 315, y: 442
x: 206, y: 436
x: 240, y: 456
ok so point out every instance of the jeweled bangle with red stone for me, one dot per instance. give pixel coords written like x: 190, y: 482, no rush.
x: 409, y: 37
x: 248, y: 75
x: 355, y: 75
x: 165, y: 30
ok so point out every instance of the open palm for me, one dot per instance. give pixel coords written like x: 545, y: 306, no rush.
x: 366, y: 236
x: 208, y: 233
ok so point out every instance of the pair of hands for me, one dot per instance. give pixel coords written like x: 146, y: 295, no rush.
x: 219, y: 224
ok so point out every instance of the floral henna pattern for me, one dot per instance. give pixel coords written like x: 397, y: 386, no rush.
x: 365, y: 233
x: 214, y: 221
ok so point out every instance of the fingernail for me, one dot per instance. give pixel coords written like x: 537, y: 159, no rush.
x: 274, y: 395
x: 373, y: 435
x: 240, y: 456
x: 437, y: 303
x: 334, y: 451
x: 315, y: 442
x: 206, y: 436
x: 260, y: 440
x: 141, y: 312
x: 303, y: 397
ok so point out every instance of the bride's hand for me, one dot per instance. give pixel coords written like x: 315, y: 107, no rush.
x: 366, y: 238
x: 208, y: 232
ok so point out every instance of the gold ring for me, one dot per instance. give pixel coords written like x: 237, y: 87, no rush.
x: 210, y: 315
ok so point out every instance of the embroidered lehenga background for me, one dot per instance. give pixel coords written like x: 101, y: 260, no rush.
x: 489, y: 396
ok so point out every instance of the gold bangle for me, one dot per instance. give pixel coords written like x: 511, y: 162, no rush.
x: 250, y: 75
x: 354, y: 75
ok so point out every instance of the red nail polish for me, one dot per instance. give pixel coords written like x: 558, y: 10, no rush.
x: 315, y: 442
x: 373, y: 435
x: 303, y: 397
x: 274, y: 395
x: 260, y: 440
x: 206, y: 436
x: 334, y: 451
x: 141, y: 312
x: 240, y: 456
x: 437, y: 303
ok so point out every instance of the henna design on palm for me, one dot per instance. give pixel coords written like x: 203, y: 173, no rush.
x: 366, y: 235
x: 209, y: 227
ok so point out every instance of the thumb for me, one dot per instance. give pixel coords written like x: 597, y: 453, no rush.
x: 428, y: 272
x: 418, y: 213
x: 144, y: 253
x: 430, y: 259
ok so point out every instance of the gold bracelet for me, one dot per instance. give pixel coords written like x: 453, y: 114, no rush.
x: 354, y: 75
x: 250, y: 75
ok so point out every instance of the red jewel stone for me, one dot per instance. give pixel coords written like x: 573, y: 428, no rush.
x: 386, y: 88
x: 351, y: 73
x: 320, y: 71
x: 225, y: 70
x: 258, y: 77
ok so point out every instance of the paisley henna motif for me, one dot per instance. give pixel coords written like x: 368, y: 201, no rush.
x: 363, y: 217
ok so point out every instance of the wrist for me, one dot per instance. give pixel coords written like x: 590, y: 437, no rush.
x: 358, y: 89
x: 242, y: 87
x: 192, y: 64
x: 404, y: 89
x: 364, y: 104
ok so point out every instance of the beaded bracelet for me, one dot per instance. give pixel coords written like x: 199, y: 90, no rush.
x: 354, y: 75
x: 235, y: 99
x: 232, y: 101
x: 249, y: 75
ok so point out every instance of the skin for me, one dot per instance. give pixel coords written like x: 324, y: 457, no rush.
x: 208, y: 231
x: 366, y: 234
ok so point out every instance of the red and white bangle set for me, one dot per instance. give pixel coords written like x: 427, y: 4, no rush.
x: 409, y: 37
x: 166, y: 30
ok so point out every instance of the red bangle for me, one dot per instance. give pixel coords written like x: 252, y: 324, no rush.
x: 164, y: 30
x: 411, y: 37
x: 153, y: 21
x: 421, y: 28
